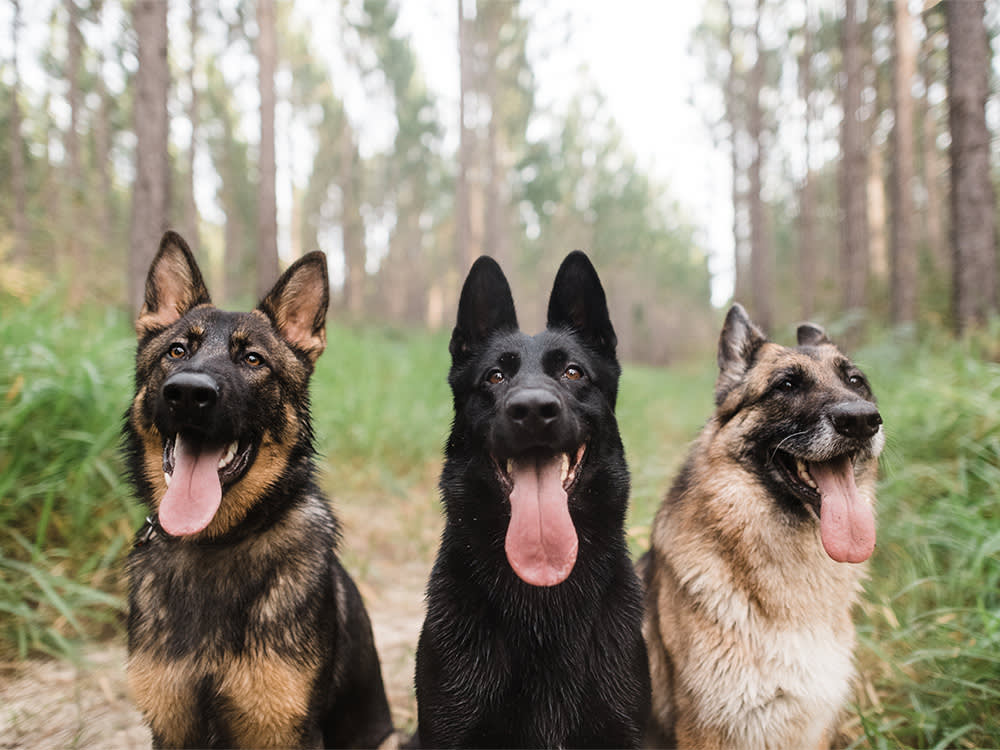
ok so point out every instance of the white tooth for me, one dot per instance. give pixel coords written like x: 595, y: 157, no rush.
x: 166, y: 479
x: 564, y: 467
x: 230, y: 454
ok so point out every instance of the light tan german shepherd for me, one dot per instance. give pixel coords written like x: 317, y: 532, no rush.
x: 755, y: 562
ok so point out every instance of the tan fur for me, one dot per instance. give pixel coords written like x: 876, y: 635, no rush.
x: 748, y: 622
x: 266, y: 695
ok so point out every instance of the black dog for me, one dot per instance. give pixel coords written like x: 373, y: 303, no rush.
x: 243, y: 628
x: 532, y: 636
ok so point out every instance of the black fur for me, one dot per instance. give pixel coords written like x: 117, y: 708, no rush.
x: 502, y: 663
x: 263, y: 592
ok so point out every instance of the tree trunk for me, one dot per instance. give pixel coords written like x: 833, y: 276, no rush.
x: 466, y: 254
x: 352, y: 224
x: 853, y: 177
x: 937, y: 248
x: 973, y: 206
x: 17, y: 167
x: 902, y: 256
x: 150, y: 196
x: 741, y: 286
x: 761, y: 263
x: 808, y: 257
x: 74, y: 208
x: 267, y: 209
x: 190, y: 206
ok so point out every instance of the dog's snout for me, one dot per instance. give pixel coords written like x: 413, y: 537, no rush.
x: 856, y: 419
x: 533, y: 409
x: 190, y: 394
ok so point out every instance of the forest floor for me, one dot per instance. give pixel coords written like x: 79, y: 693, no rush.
x: 60, y: 704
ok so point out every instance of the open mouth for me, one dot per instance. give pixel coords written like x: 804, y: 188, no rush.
x: 541, y: 543
x: 233, y: 459
x: 195, y: 474
x: 828, y: 489
x: 569, y: 465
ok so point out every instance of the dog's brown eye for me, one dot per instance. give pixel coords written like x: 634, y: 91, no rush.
x: 495, y: 377
x: 253, y: 359
x: 573, y: 373
x: 177, y: 351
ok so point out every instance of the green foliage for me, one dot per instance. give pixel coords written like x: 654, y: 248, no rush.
x: 931, y: 636
x: 65, y: 515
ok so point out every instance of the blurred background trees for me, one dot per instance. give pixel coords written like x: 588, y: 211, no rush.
x: 862, y: 139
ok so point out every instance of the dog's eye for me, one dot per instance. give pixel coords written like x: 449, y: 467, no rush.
x: 177, y: 351
x: 572, y: 372
x: 857, y: 381
x: 253, y: 359
x: 495, y: 377
x: 787, y: 385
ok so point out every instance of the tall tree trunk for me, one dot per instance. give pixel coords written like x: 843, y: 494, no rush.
x: 931, y: 175
x: 465, y: 252
x: 808, y: 257
x: 853, y: 176
x: 19, y: 184
x: 102, y: 154
x: 74, y: 210
x: 267, y: 207
x: 190, y: 206
x: 352, y: 224
x: 761, y: 263
x: 973, y: 205
x: 741, y: 286
x: 150, y: 196
x: 902, y: 255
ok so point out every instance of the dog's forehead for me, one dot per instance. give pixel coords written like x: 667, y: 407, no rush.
x: 531, y: 348
x: 211, y: 324
x: 775, y: 356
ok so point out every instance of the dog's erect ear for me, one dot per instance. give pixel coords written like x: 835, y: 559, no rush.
x: 810, y: 334
x: 297, y: 304
x: 486, y: 305
x: 578, y: 302
x: 173, y: 286
x: 738, y: 343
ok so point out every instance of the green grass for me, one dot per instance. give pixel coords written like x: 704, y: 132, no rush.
x: 929, y: 629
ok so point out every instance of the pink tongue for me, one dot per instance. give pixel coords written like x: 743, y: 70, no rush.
x: 846, y: 521
x: 194, y: 494
x: 541, y: 541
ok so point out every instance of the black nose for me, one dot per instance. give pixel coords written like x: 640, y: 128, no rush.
x: 533, y: 409
x: 190, y: 396
x: 856, y: 419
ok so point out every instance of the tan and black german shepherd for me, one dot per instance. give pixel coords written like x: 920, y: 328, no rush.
x: 756, y: 552
x: 243, y: 628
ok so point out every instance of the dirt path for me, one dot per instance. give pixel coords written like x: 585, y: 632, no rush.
x: 55, y: 704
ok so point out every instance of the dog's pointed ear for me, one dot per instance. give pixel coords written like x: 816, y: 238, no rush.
x: 486, y: 305
x: 738, y: 344
x: 173, y: 286
x: 578, y: 302
x: 297, y: 304
x: 810, y: 334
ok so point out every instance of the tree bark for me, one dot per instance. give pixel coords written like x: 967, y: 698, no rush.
x: 267, y: 209
x: 808, y: 257
x: 19, y: 185
x: 853, y: 177
x: 741, y: 285
x: 973, y: 205
x: 150, y: 196
x: 466, y: 254
x: 932, y: 169
x: 352, y: 223
x: 190, y: 206
x: 902, y: 256
x: 75, y: 195
x: 761, y: 262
